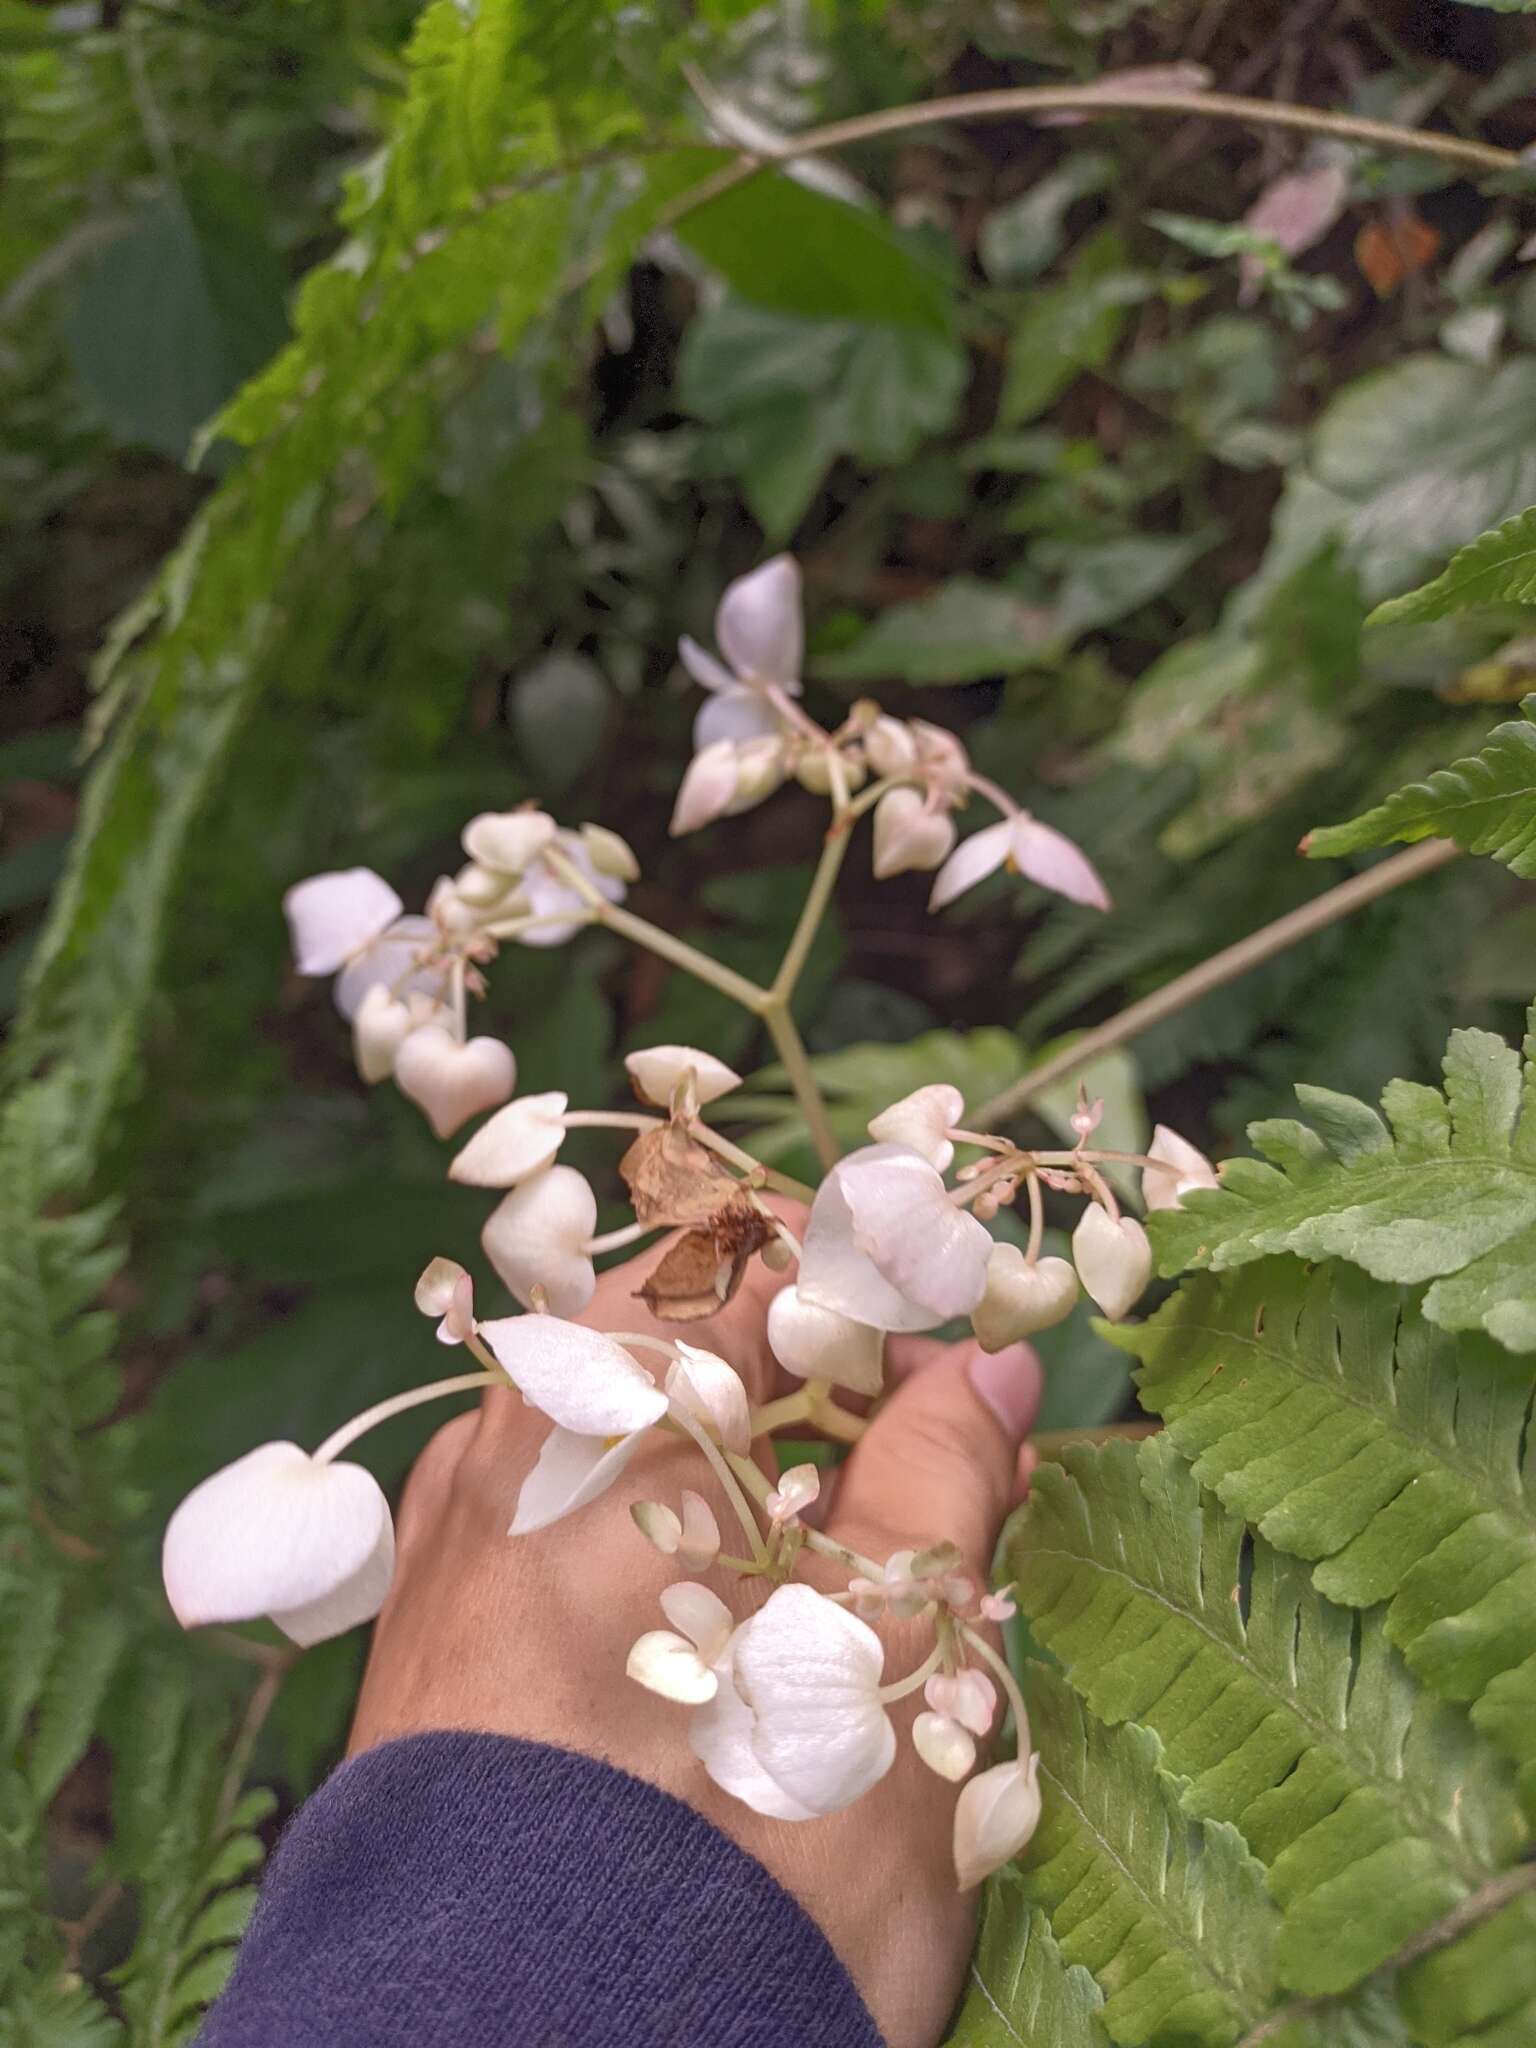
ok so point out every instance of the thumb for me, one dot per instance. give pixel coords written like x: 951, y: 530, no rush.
x: 944, y: 1458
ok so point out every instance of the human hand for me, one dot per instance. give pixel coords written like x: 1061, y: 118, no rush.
x: 529, y: 1638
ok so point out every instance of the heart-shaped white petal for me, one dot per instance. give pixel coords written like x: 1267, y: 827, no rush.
x: 908, y: 834
x: 886, y: 1246
x: 1186, y: 1168
x: 507, y: 840
x: 971, y: 862
x: 758, y: 624
x: 1114, y: 1260
x: 570, y: 1471
x: 711, y: 1391
x: 312, y: 1546
x: 579, y: 1378
x: 382, y: 1025
x: 817, y: 1343
x: 519, y: 1140
x: 1021, y: 1298
x: 943, y: 1745
x: 656, y: 1071
x: 995, y: 1816
x: 453, y: 1082
x: 535, y: 1237
x: 720, y: 1736
x: 920, y: 1120
x: 331, y: 917
x: 670, y: 1665
x: 810, y: 1672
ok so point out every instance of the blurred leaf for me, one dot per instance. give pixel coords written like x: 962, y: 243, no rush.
x: 1068, y: 328
x: 1104, y: 581
x: 28, y: 874
x: 1496, y: 568
x: 561, y: 710
x: 1024, y: 237
x: 178, y: 311
x: 966, y: 630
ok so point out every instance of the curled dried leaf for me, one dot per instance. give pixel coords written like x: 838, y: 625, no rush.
x: 672, y: 1179
x: 696, y: 1276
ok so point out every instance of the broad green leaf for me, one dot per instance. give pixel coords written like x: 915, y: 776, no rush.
x: 1374, y: 1806
x: 180, y: 310
x: 1020, y: 239
x: 1102, y: 581
x: 966, y: 630
x: 1322, y: 1407
x: 1446, y: 1192
x: 1169, y: 1914
x: 1021, y: 1988
x: 1486, y: 802
x: 1068, y: 328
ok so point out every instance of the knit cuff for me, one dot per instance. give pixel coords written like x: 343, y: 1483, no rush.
x: 477, y: 1891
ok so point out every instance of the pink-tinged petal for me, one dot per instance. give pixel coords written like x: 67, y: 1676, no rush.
x: 700, y: 1615
x: 720, y: 1736
x: 331, y: 917
x: 810, y: 1672
x: 312, y: 1546
x: 706, y: 790
x: 930, y: 1250
x: 837, y: 1273
x: 580, y: 1378
x: 908, y: 835
x: 971, y: 862
x: 995, y: 1816
x: 1050, y: 858
x: 736, y: 714
x: 394, y: 962
x: 571, y: 1472
x: 1186, y: 1168
x: 452, y: 1082
x: 1021, y: 1298
x: 1113, y: 1259
x: 758, y: 624
x: 506, y: 841
x: 435, y: 1288
x: 517, y: 1141
x: 704, y: 668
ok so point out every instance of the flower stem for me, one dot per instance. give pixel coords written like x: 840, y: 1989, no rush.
x: 397, y: 1404
x: 834, y: 849
x: 914, y: 1680
x: 722, y: 1464
x: 790, y: 1048
x: 1036, y: 1218
x: 615, y: 1240
x: 1006, y: 1679
x: 655, y: 940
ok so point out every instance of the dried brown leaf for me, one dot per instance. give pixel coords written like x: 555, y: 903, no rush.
x: 672, y: 1179
x: 697, y: 1276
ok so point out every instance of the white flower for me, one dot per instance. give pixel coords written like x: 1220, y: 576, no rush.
x: 507, y: 841
x: 909, y: 833
x: 725, y: 778
x: 600, y: 1399
x: 704, y: 1387
x: 451, y: 1081
x: 921, y: 1120
x: 680, y: 1666
x: 1186, y: 1168
x: 517, y: 1141
x: 332, y: 917
x: 797, y: 1488
x: 943, y: 1745
x: 446, y: 1290
x: 310, y: 1546
x: 559, y: 906
x: 1114, y: 1259
x: 1021, y: 1298
x: 885, y: 1244
x: 720, y: 1736
x: 758, y: 629
x: 1023, y: 844
x: 538, y: 1235
x: 382, y: 1025
x: 817, y: 1343
x: 809, y: 1672
x: 890, y: 747
x: 405, y: 959
x: 995, y: 1816
x: 658, y: 1070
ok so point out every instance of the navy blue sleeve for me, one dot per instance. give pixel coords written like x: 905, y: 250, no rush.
x: 474, y: 1891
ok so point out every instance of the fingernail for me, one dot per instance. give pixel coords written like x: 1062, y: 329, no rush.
x: 1009, y: 1382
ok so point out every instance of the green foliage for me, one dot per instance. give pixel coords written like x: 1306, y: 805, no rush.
x: 1021, y: 1988
x: 1443, y: 1188
x: 1496, y: 568
x: 1486, y: 803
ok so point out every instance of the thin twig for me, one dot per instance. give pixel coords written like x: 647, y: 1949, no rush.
x: 1221, y: 968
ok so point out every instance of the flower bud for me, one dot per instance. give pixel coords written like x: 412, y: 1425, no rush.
x: 445, y: 1290
x: 968, y: 1697
x: 1114, y: 1259
x: 995, y: 1816
x: 658, y: 1070
x: 759, y: 771
x: 707, y: 789
x: 890, y: 747
x: 610, y: 854
x: 507, y: 840
x: 796, y: 1489
x: 921, y: 1120
x: 908, y: 834
x: 1022, y: 1298
x: 449, y: 912
x: 706, y: 1388
x: 380, y: 1028
x: 943, y: 1745
x: 537, y: 1237
x: 1186, y: 1167
x: 816, y: 1343
x: 485, y: 888
x: 658, y: 1525
x: 450, y: 1081
x: 813, y: 769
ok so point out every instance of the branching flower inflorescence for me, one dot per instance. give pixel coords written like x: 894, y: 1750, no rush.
x: 788, y: 1709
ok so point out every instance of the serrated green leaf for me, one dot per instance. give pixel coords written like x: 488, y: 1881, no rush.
x: 1021, y: 1989
x: 1451, y: 1200
x: 1323, y: 1408
x: 1170, y: 1915
x: 1485, y: 802
x: 1480, y: 1991
x: 1499, y: 567
x: 1375, y: 1807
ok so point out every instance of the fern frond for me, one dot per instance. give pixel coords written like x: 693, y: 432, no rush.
x: 1441, y: 1189
x: 1375, y: 1807
x: 1326, y: 1411
x: 1021, y: 1988
x: 1499, y: 567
